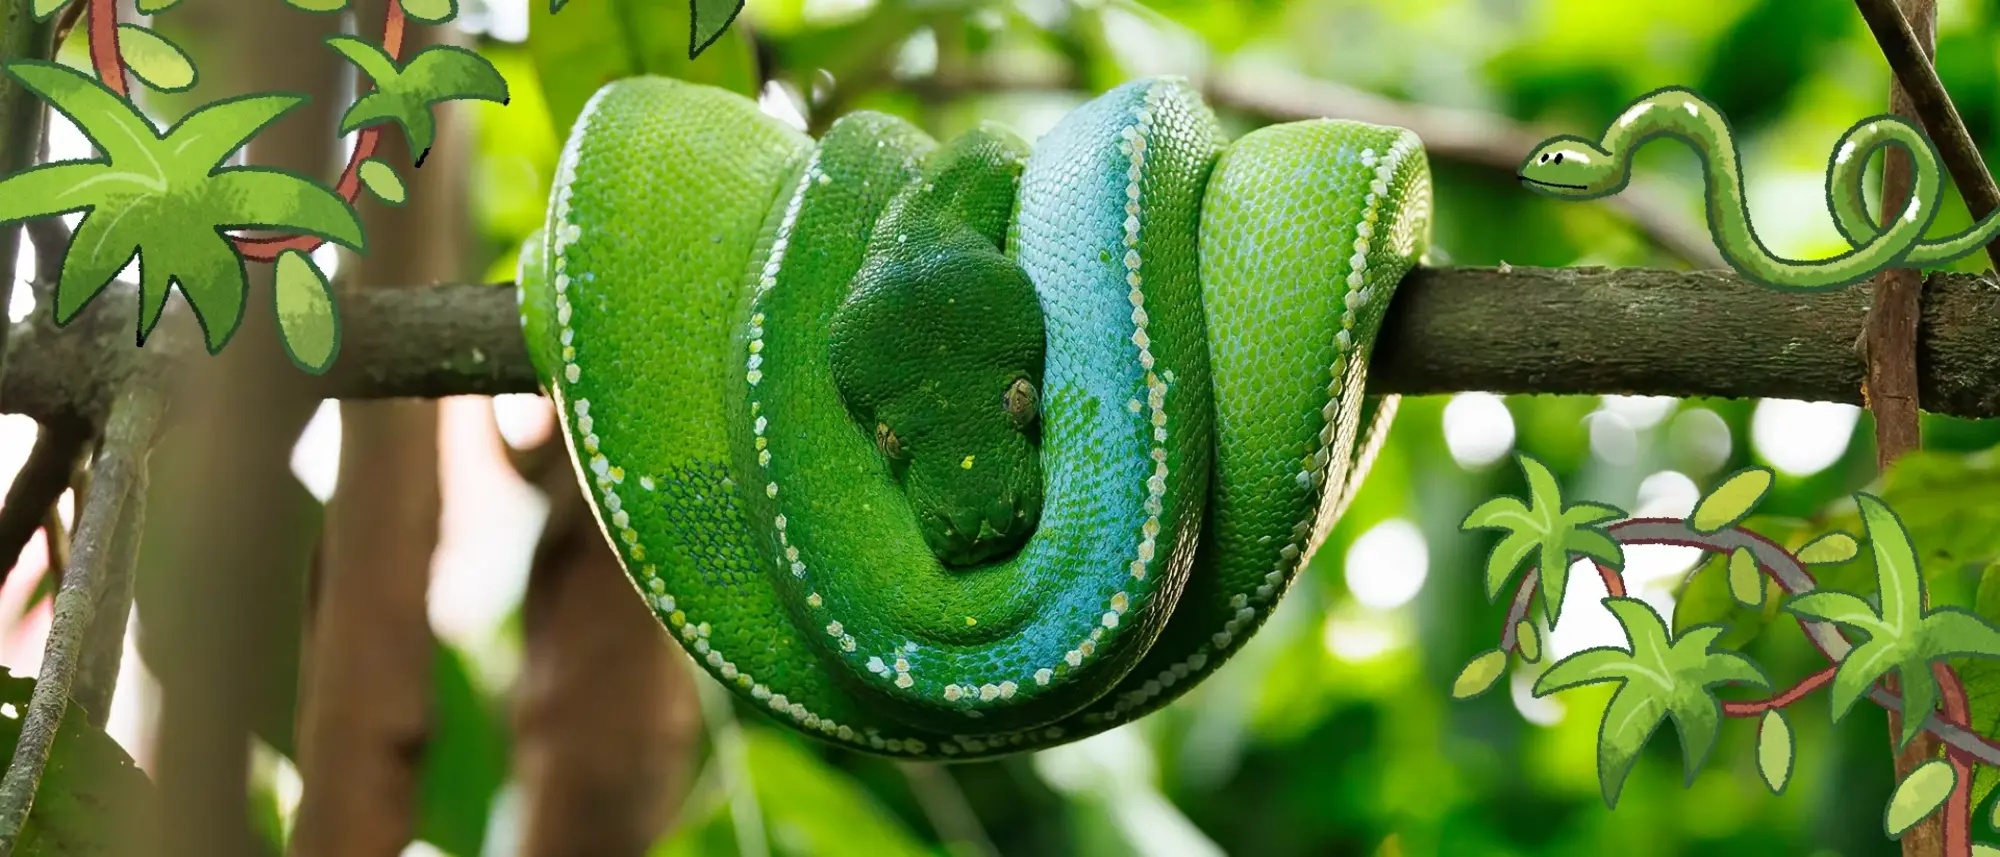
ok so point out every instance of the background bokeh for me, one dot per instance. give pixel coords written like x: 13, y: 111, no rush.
x: 1333, y: 731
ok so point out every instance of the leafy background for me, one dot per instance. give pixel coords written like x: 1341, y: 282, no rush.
x: 1333, y: 731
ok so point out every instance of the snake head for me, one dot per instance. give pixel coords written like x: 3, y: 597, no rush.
x: 1572, y: 168
x: 937, y: 354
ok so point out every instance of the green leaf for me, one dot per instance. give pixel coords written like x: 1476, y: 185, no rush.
x: 306, y: 315
x: 44, y: 8
x: 154, y: 7
x: 1657, y: 679
x: 1983, y: 850
x: 1775, y: 750
x: 166, y: 197
x: 319, y: 5
x: 603, y: 40
x: 465, y: 763
x: 1529, y: 640
x: 1731, y: 501
x: 431, y: 11
x: 153, y: 59
x: 1918, y: 795
x: 1832, y: 548
x: 382, y: 181
x: 1902, y: 635
x: 404, y: 94
x: 92, y: 799
x: 1543, y: 526
x: 1746, y: 579
x: 710, y: 18
x: 1479, y: 674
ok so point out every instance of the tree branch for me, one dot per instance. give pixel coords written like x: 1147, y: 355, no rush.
x: 115, y: 510
x: 36, y: 487
x: 1567, y: 331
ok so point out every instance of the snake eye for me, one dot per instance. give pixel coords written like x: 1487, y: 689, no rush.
x: 1559, y: 157
x: 1021, y: 403
x: 1545, y: 157
x: 886, y: 441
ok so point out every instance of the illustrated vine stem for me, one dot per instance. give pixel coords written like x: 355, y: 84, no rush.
x: 105, y: 547
x: 104, y: 57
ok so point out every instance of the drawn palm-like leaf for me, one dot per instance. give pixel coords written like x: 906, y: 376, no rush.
x: 165, y: 197
x: 1544, y: 527
x: 1902, y: 635
x: 1658, y: 678
x: 404, y: 94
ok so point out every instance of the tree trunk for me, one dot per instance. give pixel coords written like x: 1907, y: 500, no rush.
x: 364, y: 714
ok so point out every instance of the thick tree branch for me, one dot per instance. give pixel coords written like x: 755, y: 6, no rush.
x: 115, y: 508
x: 1509, y: 330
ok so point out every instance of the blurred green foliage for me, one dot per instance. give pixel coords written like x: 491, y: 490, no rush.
x: 1333, y: 732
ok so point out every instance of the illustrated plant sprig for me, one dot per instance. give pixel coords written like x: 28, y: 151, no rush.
x: 1665, y: 676
x: 168, y: 199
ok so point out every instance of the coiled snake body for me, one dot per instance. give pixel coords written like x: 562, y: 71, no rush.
x: 948, y: 450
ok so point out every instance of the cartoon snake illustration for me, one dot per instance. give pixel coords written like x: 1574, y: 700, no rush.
x: 1571, y: 167
x: 950, y: 450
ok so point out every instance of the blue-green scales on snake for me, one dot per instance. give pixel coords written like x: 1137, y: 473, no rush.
x: 955, y: 449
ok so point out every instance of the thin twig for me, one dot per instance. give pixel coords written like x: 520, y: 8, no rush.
x: 104, y: 640
x: 1918, y: 81
x: 116, y: 504
x: 36, y: 488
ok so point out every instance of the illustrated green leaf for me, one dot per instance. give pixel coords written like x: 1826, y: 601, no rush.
x: 710, y: 18
x: 1775, y: 750
x: 1746, y: 579
x: 154, y: 7
x: 1479, y: 674
x: 1658, y: 679
x: 153, y: 59
x: 1529, y: 639
x: 431, y: 11
x: 1832, y: 548
x: 1546, y: 528
x: 382, y: 181
x: 44, y: 8
x: 1918, y: 795
x: 165, y: 197
x: 319, y: 5
x: 576, y: 52
x: 404, y: 94
x: 306, y: 315
x: 1731, y: 501
x: 1984, y: 850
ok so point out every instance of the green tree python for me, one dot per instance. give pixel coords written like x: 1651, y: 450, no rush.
x: 1571, y: 167
x: 957, y: 449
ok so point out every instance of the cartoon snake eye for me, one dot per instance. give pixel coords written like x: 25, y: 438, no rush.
x: 1559, y: 157
x: 1545, y: 157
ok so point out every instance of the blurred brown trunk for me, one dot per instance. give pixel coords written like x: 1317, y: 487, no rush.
x: 365, y: 696
x: 1892, y: 387
x: 227, y: 461
x: 605, y: 714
